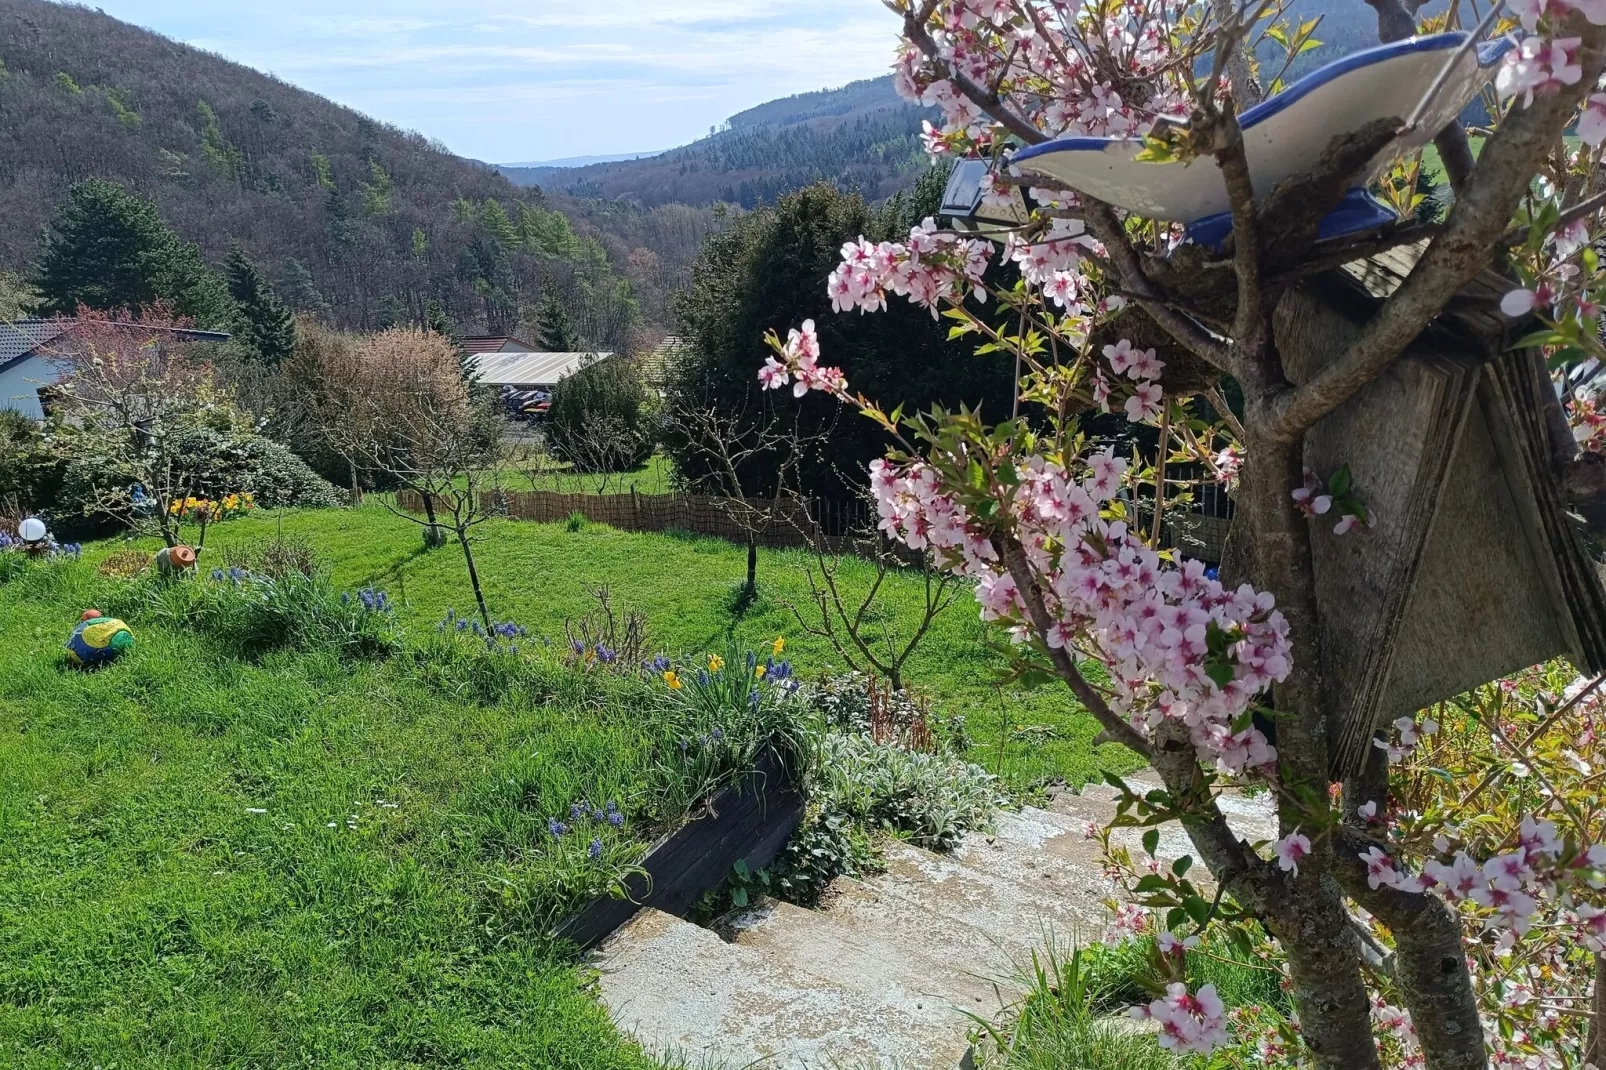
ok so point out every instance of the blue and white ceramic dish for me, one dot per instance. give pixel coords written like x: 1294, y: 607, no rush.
x: 1283, y: 136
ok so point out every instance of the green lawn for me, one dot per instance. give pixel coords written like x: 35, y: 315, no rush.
x: 536, y: 574
x: 206, y: 862
x: 299, y: 860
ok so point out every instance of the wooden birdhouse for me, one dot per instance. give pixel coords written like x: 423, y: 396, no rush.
x: 1474, y: 568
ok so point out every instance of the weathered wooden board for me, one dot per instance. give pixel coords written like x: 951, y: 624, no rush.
x: 748, y: 821
x: 1473, y: 569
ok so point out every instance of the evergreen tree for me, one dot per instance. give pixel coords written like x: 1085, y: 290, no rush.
x: 264, y: 324
x: 392, y: 313
x: 301, y: 290
x: 553, y: 331
x: 109, y: 249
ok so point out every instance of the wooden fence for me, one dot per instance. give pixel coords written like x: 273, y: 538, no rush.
x: 785, y: 523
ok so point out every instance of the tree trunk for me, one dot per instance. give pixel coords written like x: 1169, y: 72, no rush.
x: 750, y: 592
x: 1595, y: 1049
x: 473, y: 576
x: 434, y: 537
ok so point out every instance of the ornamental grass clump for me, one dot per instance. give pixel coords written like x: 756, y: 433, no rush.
x: 248, y: 615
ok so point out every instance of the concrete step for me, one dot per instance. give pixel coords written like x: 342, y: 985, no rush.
x: 874, y: 959
x: 1042, y: 851
x: 987, y: 924
x: 686, y: 994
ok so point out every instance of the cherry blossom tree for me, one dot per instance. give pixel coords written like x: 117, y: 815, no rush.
x: 1387, y: 930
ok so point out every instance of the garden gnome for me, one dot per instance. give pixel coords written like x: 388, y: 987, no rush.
x: 98, y: 640
x: 175, y: 560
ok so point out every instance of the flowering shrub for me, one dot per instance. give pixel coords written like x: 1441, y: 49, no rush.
x: 1047, y: 522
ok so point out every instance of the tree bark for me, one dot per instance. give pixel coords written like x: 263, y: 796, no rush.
x: 473, y: 575
x: 751, y: 590
x: 434, y: 537
x: 1595, y: 1049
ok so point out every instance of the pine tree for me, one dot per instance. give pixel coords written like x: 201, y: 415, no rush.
x: 263, y: 324
x: 392, y: 313
x: 554, y: 332
x: 301, y: 290
x: 109, y: 249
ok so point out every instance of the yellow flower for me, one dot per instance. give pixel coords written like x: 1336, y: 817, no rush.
x: 672, y: 678
x: 715, y: 663
x: 758, y: 672
x: 779, y: 645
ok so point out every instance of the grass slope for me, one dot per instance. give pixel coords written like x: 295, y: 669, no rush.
x: 537, y: 574
x: 303, y: 861
x: 150, y: 918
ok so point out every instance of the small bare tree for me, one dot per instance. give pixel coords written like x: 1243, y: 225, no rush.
x: 400, y: 406
x: 860, y: 625
x: 728, y: 439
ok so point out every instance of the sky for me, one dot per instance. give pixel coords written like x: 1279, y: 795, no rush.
x: 509, y: 81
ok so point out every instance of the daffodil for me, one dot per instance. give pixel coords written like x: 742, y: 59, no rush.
x: 758, y: 672
x: 672, y: 678
x: 715, y: 663
x: 779, y: 645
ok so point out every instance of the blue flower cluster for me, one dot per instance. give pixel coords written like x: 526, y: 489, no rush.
x: 374, y: 600
x: 580, y: 813
x: 504, y: 630
x: 601, y: 652
x: 236, y: 575
x: 73, y: 550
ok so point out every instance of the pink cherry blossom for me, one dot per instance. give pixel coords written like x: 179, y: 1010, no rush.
x: 1289, y: 850
x: 1145, y: 402
x: 1121, y: 356
x: 1188, y: 1023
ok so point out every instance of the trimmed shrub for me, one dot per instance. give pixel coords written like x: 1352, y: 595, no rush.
x: 600, y: 420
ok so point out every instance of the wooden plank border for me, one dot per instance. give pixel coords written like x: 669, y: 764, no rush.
x: 750, y: 821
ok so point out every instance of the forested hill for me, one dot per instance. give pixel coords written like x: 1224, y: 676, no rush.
x: 861, y: 137
x: 348, y: 215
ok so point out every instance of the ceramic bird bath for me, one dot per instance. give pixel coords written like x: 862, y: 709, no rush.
x: 1283, y: 136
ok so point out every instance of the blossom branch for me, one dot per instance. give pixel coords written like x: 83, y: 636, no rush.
x: 1115, y: 726
x: 914, y: 29
x: 1429, y: 966
x: 1103, y: 225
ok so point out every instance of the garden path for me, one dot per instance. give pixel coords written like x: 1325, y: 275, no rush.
x: 890, y: 971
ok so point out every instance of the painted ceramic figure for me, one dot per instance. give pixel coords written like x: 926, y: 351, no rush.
x: 98, y: 640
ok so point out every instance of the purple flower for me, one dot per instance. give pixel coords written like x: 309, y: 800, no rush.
x: 595, y: 850
x: 616, y: 819
x: 578, y: 647
x: 576, y: 812
x: 557, y: 828
x: 660, y: 663
x: 605, y: 655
